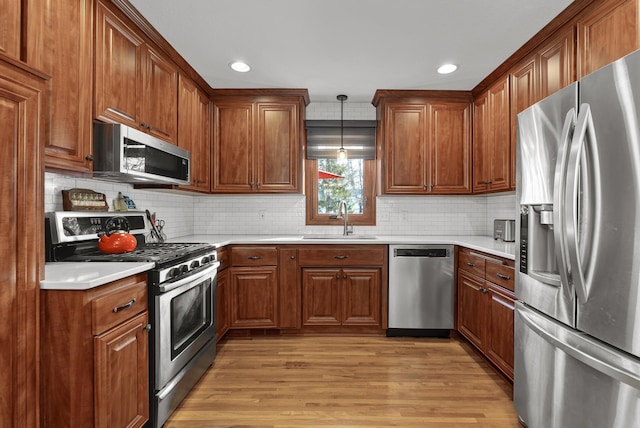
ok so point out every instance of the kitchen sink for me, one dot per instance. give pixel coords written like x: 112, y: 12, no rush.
x: 338, y: 237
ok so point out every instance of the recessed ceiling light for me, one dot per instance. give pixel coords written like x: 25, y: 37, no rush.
x: 240, y: 66
x: 447, y: 68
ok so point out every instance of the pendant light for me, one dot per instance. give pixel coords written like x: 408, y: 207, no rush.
x: 342, y: 152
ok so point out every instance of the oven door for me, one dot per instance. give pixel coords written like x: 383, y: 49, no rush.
x: 185, y: 322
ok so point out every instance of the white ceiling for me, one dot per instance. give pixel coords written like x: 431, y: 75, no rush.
x: 350, y: 47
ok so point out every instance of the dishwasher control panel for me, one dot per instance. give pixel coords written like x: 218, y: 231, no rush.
x: 421, y: 252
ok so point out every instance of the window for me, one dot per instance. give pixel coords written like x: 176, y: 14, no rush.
x: 328, y: 182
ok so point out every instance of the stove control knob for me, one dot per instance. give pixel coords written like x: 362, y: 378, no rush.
x: 184, y: 268
x: 205, y: 260
x: 173, y: 273
x: 195, y: 264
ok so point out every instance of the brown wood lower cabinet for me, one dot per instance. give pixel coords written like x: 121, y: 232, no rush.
x: 347, y: 296
x: 95, y: 365
x: 254, y: 287
x: 486, y: 309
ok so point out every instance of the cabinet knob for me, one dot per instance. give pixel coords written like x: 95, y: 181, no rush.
x: 143, y: 124
x: 89, y: 157
x: 337, y: 276
x: 344, y: 276
x: 292, y: 257
x: 147, y: 327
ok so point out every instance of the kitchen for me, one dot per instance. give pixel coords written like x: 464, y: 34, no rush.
x: 473, y: 215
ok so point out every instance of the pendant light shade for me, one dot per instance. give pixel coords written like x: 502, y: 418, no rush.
x: 342, y: 152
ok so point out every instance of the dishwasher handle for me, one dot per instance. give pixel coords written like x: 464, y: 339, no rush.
x: 421, y: 252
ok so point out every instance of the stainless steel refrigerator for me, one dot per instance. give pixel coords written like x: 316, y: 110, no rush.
x: 577, y: 321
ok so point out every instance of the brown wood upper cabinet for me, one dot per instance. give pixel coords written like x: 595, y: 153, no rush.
x: 194, y: 132
x: 607, y: 32
x: 426, y: 140
x: 549, y: 69
x: 257, y: 140
x: 60, y: 43
x: 10, y: 22
x: 492, y: 139
x: 134, y: 84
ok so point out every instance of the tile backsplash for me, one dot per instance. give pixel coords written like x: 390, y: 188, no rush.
x: 186, y: 214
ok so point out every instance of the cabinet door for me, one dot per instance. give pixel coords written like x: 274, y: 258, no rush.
x: 321, y: 296
x: 278, y: 148
x: 67, y: 55
x: 222, y: 304
x: 254, y: 294
x: 194, y: 132
x: 499, y: 344
x: 481, y: 141
x: 160, y: 98
x: 233, y: 147
x: 524, y: 93
x: 290, y: 296
x: 122, y: 375
x: 557, y: 63
x: 471, y: 308
x: 118, y: 67
x: 607, y: 33
x: 450, y: 148
x: 500, y: 143
x: 10, y: 18
x: 405, y: 148
x: 360, y: 296
x: 22, y: 223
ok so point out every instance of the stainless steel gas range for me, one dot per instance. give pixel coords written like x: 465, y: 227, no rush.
x: 182, y: 298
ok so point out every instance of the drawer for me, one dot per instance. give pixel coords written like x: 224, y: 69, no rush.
x: 254, y: 256
x: 471, y: 263
x: 340, y: 256
x: 500, y: 274
x: 223, y: 258
x: 114, y: 308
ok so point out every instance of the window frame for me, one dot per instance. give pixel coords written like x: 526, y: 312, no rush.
x: 367, y: 218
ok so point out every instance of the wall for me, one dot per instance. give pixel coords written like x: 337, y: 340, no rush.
x: 175, y: 209
x: 185, y: 214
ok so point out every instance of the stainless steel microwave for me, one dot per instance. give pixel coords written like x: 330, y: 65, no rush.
x: 127, y: 155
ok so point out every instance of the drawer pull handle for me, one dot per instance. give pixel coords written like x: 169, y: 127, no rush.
x: 340, y: 257
x: 501, y: 276
x: 471, y: 264
x: 125, y: 306
x: 254, y: 257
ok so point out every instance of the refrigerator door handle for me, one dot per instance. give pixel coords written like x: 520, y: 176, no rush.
x: 574, y: 216
x: 559, y: 212
x: 583, y: 349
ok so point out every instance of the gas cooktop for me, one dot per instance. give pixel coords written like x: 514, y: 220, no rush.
x: 160, y: 253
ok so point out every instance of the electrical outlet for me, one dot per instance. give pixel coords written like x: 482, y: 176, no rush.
x: 385, y: 216
x: 404, y: 215
x: 262, y: 214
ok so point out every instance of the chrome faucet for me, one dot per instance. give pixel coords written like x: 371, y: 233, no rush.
x: 345, y: 216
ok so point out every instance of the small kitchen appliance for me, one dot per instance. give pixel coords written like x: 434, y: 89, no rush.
x: 182, y: 297
x: 504, y: 230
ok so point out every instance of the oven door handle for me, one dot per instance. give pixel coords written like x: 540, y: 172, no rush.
x: 189, y: 279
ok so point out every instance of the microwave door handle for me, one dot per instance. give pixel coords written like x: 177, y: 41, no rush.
x: 583, y: 135
x: 191, y: 278
x: 559, y: 212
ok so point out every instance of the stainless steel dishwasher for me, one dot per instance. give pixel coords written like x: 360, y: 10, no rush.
x: 420, y: 290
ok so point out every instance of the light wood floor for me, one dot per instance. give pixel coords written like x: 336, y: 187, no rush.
x: 290, y: 382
